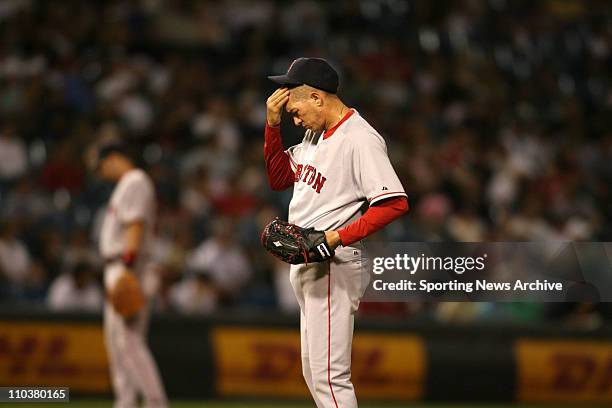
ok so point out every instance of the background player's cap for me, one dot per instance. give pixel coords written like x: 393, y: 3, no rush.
x: 102, y: 150
x: 315, y: 72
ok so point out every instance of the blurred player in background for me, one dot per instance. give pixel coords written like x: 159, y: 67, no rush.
x: 125, y: 237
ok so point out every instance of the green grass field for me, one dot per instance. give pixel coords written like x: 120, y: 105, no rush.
x: 260, y: 404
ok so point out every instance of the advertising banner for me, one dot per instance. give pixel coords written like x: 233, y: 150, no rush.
x: 53, y: 354
x: 267, y: 362
x: 564, y: 371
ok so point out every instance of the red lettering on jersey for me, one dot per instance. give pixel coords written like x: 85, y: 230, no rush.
x: 318, y: 185
x: 309, y: 169
x: 309, y: 175
x: 298, y: 172
x: 312, y: 176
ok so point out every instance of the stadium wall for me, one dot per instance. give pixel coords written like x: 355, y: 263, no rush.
x: 242, y: 356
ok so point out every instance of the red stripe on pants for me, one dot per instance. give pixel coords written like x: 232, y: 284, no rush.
x: 329, y: 335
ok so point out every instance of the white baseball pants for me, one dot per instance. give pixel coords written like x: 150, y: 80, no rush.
x: 329, y: 295
x: 132, y: 367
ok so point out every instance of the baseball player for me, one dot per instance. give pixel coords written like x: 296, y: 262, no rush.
x: 340, y: 164
x: 125, y: 236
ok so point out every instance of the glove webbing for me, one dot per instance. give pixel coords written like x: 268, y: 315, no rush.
x: 289, y: 231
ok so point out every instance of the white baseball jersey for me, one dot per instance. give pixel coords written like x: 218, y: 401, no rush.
x: 132, y: 200
x: 335, y: 175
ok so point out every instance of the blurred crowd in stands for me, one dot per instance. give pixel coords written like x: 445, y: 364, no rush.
x: 497, y: 116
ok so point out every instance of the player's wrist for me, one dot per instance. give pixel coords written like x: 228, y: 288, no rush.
x: 342, y: 235
x: 129, y: 258
x: 272, y: 123
x: 333, y: 239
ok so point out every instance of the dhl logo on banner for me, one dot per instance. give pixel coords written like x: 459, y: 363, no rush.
x: 53, y: 354
x: 268, y: 363
x: 564, y: 371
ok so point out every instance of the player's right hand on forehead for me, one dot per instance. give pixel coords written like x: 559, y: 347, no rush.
x: 275, y: 105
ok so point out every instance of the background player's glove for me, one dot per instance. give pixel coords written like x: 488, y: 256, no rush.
x: 126, y: 296
x: 294, y: 244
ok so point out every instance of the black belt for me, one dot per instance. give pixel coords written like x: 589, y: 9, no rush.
x: 112, y: 259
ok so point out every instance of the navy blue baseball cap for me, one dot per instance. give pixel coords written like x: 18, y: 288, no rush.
x: 315, y: 72
x: 102, y: 150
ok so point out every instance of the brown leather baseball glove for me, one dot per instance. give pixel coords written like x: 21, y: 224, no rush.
x: 294, y: 244
x: 126, y: 296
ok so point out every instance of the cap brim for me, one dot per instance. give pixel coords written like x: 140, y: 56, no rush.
x: 283, y: 80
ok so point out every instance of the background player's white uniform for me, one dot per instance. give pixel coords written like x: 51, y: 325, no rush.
x: 334, y: 177
x: 133, y: 370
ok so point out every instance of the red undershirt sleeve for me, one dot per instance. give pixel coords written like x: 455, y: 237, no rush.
x: 278, y: 166
x: 375, y: 218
